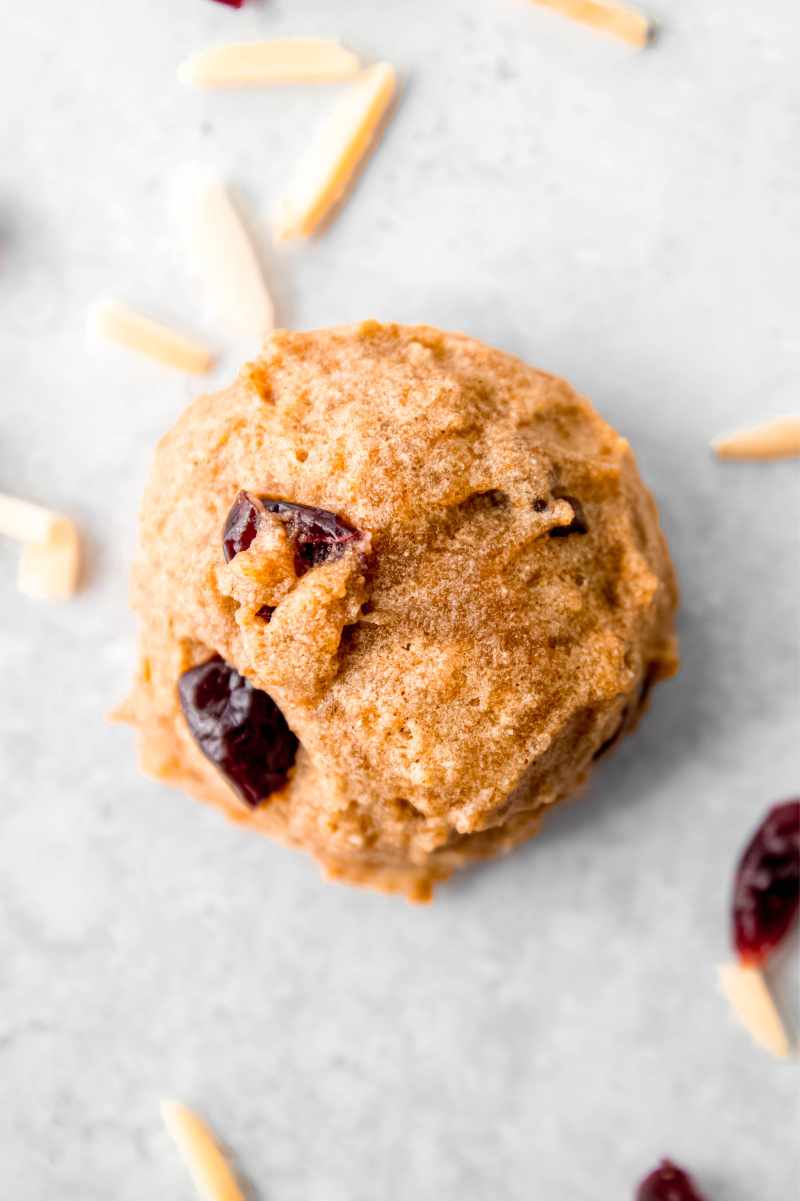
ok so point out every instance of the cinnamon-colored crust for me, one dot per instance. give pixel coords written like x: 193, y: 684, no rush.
x: 457, y: 680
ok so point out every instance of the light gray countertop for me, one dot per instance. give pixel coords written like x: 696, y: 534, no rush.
x: 551, y: 1025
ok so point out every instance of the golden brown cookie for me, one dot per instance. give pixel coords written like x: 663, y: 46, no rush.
x: 404, y: 682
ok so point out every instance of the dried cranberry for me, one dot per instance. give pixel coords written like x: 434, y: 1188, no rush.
x: 316, y: 534
x: 241, y: 525
x: 231, y: 3
x: 668, y: 1183
x: 578, y: 525
x: 766, y: 893
x: 238, y: 727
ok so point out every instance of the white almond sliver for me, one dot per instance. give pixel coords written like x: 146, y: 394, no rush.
x: 750, y: 1000
x: 224, y: 255
x: 48, y: 569
x: 331, y: 161
x: 778, y: 439
x: 207, y: 1166
x: 617, y: 19
x: 24, y: 521
x: 282, y: 60
x: 115, y: 322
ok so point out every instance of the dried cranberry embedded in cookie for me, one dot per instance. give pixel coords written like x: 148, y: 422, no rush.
x: 668, y: 1183
x: 241, y: 525
x: 316, y: 534
x: 766, y: 894
x: 578, y: 525
x: 238, y: 727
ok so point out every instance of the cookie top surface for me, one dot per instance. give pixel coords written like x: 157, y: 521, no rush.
x: 508, y: 581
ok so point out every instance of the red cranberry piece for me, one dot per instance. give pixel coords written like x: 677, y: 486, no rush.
x: 578, y: 525
x: 316, y: 534
x: 668, y: 1183
x: 766, y: 893
x: 241, y: 525
x: 238, y: 727
x: 232, y: 3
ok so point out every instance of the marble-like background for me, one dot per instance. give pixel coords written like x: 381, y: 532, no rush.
x: 551, y: 1025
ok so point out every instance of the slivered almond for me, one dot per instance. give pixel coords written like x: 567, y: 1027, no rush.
x: 331, y: 161
x: 50, y: 559
x: 616, y: 19
x: 24, y: 521
x: 208, y: 1168
x: 48, y: 570
x: 778, y: 439
x: 224, y: 256
x: 752, y: 1003
x: 282, y: 60
x: 117, y: 323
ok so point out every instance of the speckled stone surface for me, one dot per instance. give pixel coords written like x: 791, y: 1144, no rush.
x: 551, y: 1025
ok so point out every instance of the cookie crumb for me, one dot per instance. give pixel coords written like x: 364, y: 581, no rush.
x: 208, y: 1168
x: 619, y: 20
x: 330, y: 163
x: 115, y: 322
x: 778, y: 439
x: 751, y: 1001
x: 259, y: 64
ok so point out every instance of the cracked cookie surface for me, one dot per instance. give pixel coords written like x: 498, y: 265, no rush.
x: 439, y: 564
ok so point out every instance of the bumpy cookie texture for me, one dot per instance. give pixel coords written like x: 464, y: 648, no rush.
x: 488, y: 620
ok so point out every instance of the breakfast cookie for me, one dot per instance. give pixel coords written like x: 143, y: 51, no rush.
x: 397, y: 592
